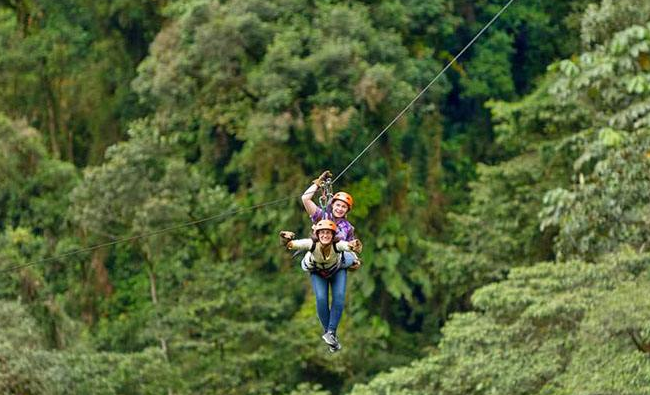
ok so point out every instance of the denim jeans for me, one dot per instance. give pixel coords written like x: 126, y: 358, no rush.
x: 329, y: 317
x: 348, y: 259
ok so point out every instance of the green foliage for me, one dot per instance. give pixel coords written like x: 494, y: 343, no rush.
x: 490, y: 69
x: 61, y: 60
x: 606, y: 85
x: 577, y: 326
x: 500, y: 222
x: 34, y: 188
x: 547, y: 329
x: 137, y: 188
x: 241, y: 102
x: 606, y: 209
x: 325, y: 80
x: 26, y: 367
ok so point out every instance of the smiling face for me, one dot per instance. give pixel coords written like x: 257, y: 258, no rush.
x: 339, y: 208
x: 325, y: 236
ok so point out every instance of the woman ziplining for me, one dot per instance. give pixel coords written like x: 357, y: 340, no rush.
x: 333, y: 207
x: 331, y: 252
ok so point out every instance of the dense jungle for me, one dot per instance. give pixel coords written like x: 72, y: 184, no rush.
x: 151, y: 151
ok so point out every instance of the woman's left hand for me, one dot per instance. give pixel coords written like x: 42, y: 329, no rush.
x: 356, y: 245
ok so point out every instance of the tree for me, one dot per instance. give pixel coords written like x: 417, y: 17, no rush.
x: 537, y: 333
x: 66, y: 68
x: 27, y: 367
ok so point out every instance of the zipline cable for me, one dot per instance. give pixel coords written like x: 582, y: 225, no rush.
x: 273, y: 202
x: 148, y: 234
x: 401, y: 113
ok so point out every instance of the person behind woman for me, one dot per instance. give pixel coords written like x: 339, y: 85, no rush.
x: 336, y: 211
x: 324, y: 261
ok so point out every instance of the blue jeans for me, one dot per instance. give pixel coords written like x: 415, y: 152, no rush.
x: 329, y: 317
x: 348, y: 259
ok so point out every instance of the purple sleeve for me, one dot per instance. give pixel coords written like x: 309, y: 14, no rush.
x: 318, y: 214
x: 346, y: 230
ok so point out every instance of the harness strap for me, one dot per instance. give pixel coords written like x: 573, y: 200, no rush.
x: 326, y: 197
x: 325, y: 273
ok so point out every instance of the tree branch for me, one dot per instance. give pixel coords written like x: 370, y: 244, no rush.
x: 639, y: 345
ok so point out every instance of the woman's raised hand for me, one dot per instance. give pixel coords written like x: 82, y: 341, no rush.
x: 321, y: 179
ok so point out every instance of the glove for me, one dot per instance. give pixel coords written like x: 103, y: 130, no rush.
x: 321, y: 179
x: 286, y: 237
x: 285, y: 234
x: 355, y: 245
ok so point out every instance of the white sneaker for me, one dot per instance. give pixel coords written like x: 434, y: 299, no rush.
x: 330, y: 338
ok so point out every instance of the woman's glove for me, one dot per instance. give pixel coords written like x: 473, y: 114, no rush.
x: 355, y: 245
x: 286, y: 237
x: 321, y: 179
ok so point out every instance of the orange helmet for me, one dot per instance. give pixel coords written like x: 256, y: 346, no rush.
x: 344, y: 197
x: 324, y: 224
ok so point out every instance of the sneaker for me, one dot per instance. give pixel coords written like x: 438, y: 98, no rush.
x: 330, y: 338
x: 336, y: 348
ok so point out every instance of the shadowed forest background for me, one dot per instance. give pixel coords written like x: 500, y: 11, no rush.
x: 505, y: 218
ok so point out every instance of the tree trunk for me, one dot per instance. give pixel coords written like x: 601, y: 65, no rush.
x: 466, y: 9
x: 154, y: 300
x: 102, y: 281
x: 70, y: 145
x: 434, y: 171
x: 52, y: 122
x: 53, y: 111
x: 152, y: 285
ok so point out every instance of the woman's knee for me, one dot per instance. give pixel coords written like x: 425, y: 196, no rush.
x: 338, y: 297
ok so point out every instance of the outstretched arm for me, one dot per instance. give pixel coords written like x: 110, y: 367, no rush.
x: 300, y: 244
x: 354, y: 245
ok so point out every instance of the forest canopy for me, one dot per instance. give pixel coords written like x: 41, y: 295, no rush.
x: 150, y: 152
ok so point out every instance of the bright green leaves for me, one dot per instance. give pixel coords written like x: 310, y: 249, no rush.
x: 611, y: 138
x: 547, y: 329
x: 499, y: 223
x: 613, y: 344
x: 568, y: 68
x: 602, y: 95
x: 608, y: 208
x: 601, y: 21
x: 611, y: 80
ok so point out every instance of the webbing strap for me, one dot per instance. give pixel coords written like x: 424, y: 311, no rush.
x: 326, y: 197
